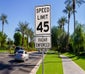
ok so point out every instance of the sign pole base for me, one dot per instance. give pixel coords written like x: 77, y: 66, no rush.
x: 42, y: 61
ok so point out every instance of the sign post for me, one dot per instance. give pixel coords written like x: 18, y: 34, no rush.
x: 42, y: 61
x: 42, y: 29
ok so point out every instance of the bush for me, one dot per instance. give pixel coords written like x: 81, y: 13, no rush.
x: 3, y: 48
x: 31, y: 44
x: 31, y: 49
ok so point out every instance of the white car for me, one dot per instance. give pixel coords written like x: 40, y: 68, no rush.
x: 21, y: 55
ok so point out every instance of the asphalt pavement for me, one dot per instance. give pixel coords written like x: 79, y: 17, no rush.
x: 9, y: 66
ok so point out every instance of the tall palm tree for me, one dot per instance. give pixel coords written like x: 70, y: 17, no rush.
x: 74, y: 3
x: 22, y: 28
x: 31, y: 33
x: 62, y: 21
x: 68, y: 11
x: 27, y: 34
x: 60, y: 24
x: 3, y: 18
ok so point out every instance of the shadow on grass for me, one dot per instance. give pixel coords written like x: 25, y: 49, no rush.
x: 52, y: 62
x: 82, y: 56
x: 52, y: 54
x: 76, y: 57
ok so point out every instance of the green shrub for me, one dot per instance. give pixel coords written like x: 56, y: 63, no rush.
x: 31, y: 44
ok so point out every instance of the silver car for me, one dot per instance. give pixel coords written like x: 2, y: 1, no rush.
x: 21, y: 55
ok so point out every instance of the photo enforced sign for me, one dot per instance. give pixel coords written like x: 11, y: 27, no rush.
x: 43, y: 42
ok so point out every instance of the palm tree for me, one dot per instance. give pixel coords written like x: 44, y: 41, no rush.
x: 27, y: 34
x: 74, y: 3
x: 22, y: 28
x: 68, y: 11
x: 31, y: 33
x: 3, y: 18
x: 78, y: 38
x: 60, y: 24
x: 62, y: 21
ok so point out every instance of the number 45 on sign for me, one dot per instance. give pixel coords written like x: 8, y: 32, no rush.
x: 43, y: 27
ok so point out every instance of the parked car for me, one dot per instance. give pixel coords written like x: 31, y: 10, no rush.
x: 21, y: 55
x: 17, y: 48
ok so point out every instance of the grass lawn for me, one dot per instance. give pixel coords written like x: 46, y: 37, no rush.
x: 79, y: 60
x: 6, y: 51
x: 52, y: 64
x: 3, y: 51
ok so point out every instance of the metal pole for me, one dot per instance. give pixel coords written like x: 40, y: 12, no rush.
x: 42, y: 61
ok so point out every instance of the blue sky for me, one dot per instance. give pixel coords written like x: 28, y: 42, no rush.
x: 24, y: 10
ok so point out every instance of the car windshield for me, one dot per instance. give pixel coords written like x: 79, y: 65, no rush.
x: 20, y: 51
x: 17, y: 47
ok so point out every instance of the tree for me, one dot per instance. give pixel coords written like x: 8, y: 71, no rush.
x: 2, y: 39
x: 29, y: 34
x: 10, y: 42
x: 17, y: 39
x: 58, y: 38
x: 73, y: 3
x: 3, y: 18
x: 78, y: 39
x: 22, y: 28
x: 62, y: 21
x: 54, y: 36
x: 1, y: 35
x: 68, y: 11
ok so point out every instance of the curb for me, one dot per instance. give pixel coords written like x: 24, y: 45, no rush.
x: 34, y: 70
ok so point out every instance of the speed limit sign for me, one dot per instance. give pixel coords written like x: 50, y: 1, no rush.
x: 42, y: 27
x: 42, y: 20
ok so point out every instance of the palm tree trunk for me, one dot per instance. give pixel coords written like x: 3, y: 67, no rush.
x: 2, y: 28
x: 74, y: 20
x: 74, y: 12
x: 63, y: 27
x: 68, y: 25
x: 68, y: 32
x: 23, y: 40
x: 27, y: 41
x: 68, y: 29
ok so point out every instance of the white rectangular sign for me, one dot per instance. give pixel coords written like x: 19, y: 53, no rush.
x: 43, y: 42
x: 42, y: 20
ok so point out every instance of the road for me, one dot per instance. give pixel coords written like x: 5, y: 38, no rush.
x: 9, y: 66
